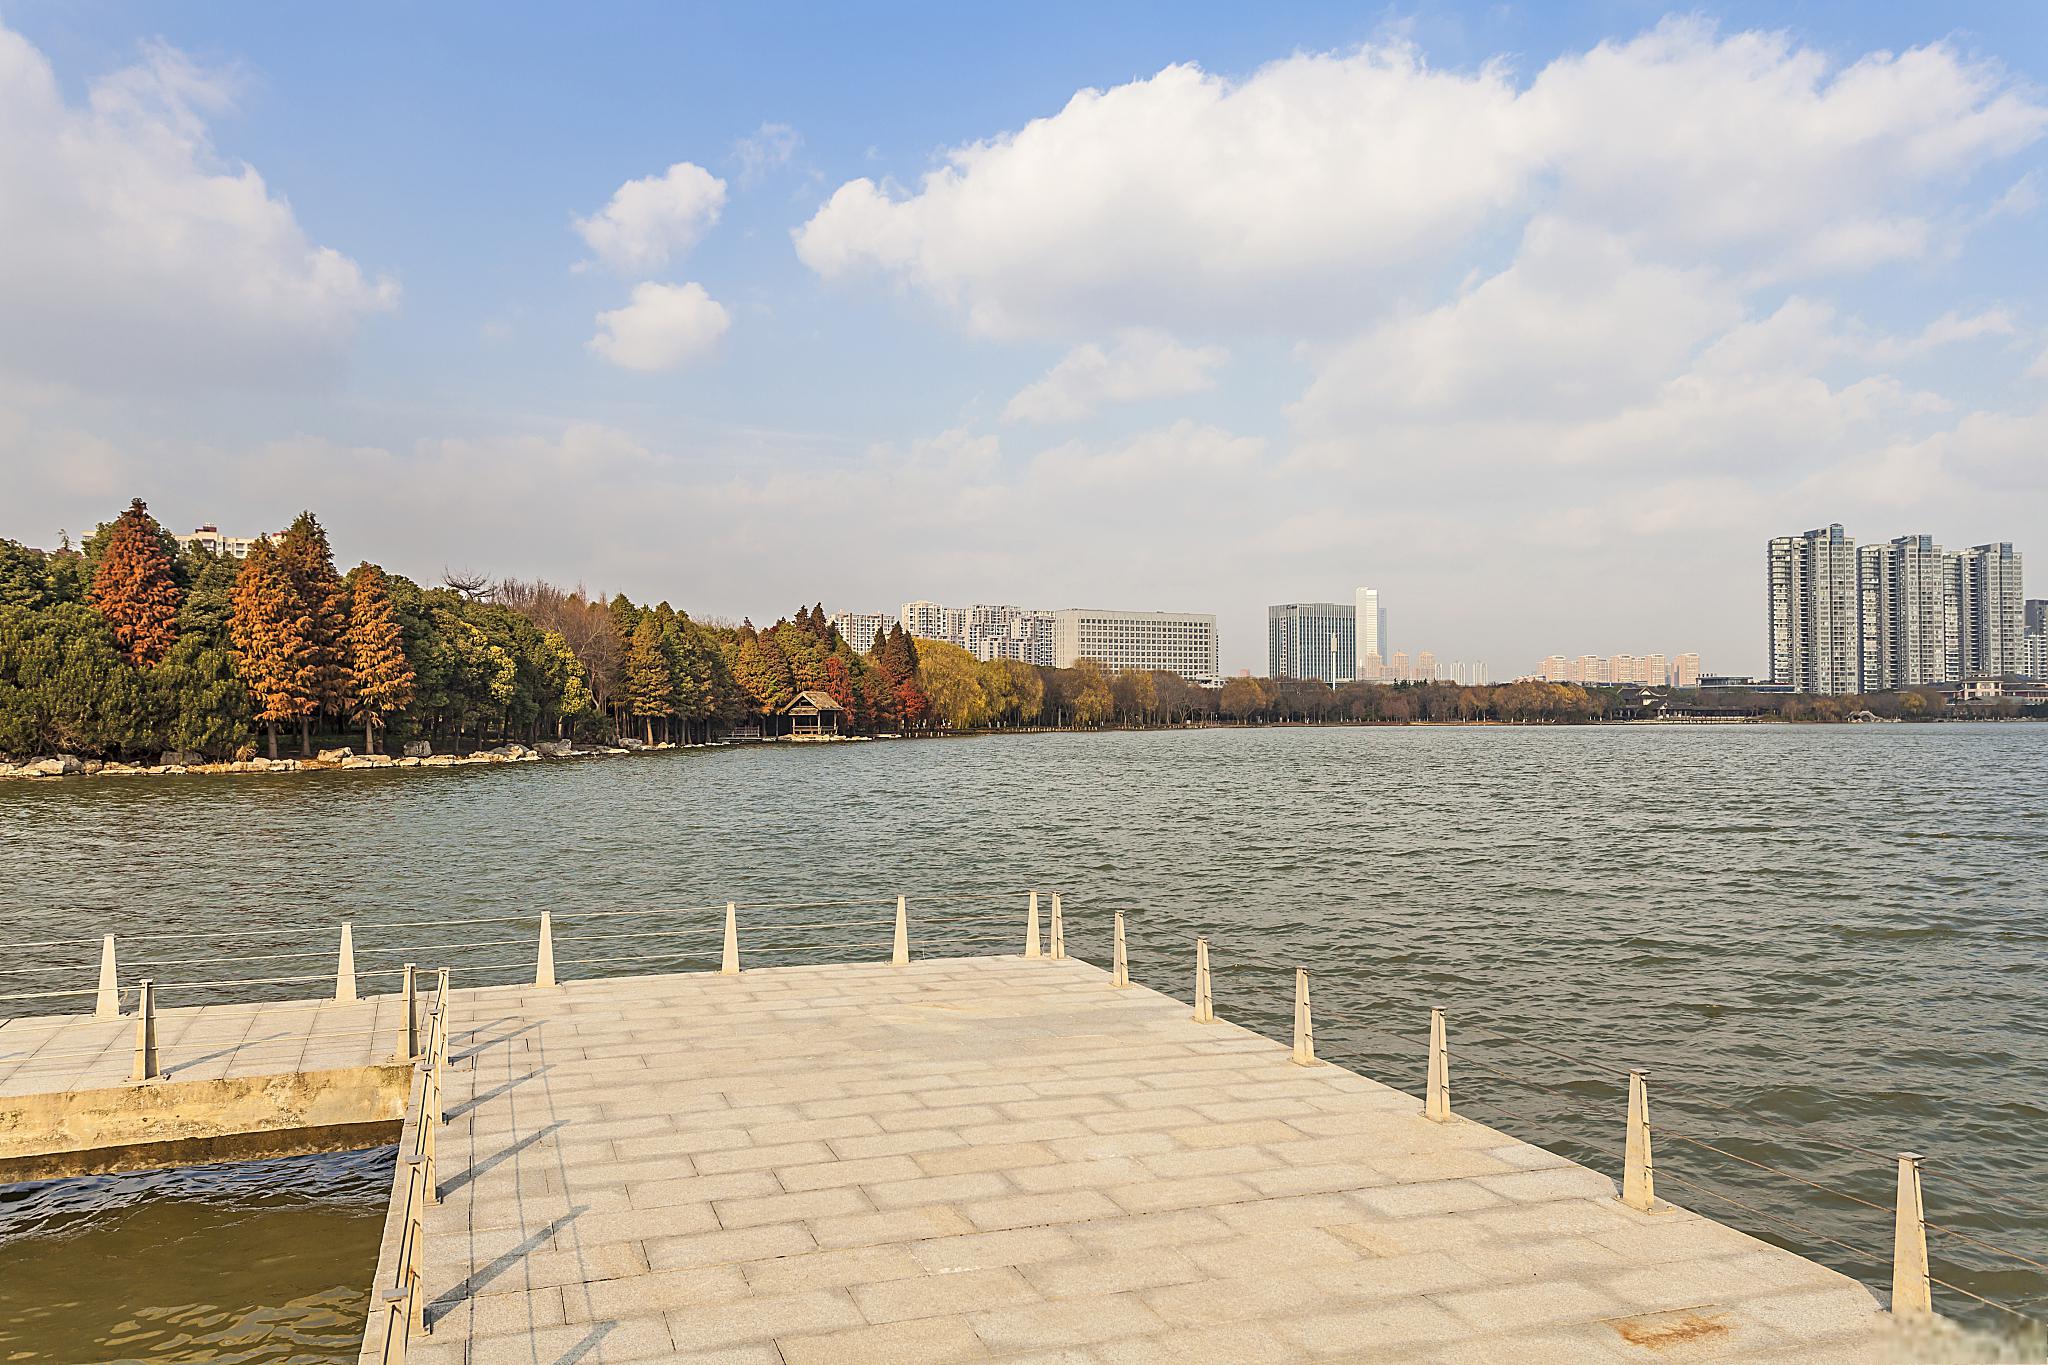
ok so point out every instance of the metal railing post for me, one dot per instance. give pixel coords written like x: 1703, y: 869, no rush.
x: 145, y: 1033
x: 1912, y: 1294
x: 408, y: 1026
x: 1059, y: 931
x: 1437, y: 1105
x: 1120, y: 961
x: 1304, y: 1026
x: 1205, y: 1006
x: 1639, y: 1170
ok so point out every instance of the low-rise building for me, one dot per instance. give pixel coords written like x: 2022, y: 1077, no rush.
x: 1168, y: 642
x: 210, y: 539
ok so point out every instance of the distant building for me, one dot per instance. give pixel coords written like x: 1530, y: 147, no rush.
x: 2034, y: 654
x: 1816, y: 636
x: 1370, y: 620
x: 210, y: 539
x: 1906, y: 599
x: 1622, y: 670
x: 1155, y: 640
x: 1312, y: 640
x: 930, y: 621
x: 1990, y: 610
x: 2036, y: 612
x: 859, y: 628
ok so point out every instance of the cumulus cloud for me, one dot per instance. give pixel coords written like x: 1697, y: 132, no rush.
x: 665, y: 326
x: 1142, y: 363
x: 133, y: 253
x: 654, y: 218
x: 1320, y: 183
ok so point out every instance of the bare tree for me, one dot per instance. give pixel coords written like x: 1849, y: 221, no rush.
x: 475, y: 587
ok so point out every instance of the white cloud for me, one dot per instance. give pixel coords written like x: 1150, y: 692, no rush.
x: 654, y: 218
x: 1322, y: 183
x: 766, y: 149
x: 1143, y: 363
x: 664, y: 327
x: 1183, y: 452
x: 132, y: 253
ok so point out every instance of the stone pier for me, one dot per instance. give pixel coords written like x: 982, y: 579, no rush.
x: 1006, y: 1158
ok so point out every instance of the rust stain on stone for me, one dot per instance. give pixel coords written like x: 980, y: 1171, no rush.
x: 1661, y: 1331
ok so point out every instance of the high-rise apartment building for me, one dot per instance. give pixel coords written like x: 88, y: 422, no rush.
x: 1816, y: 637
x: 2036, y: 616
x: 1170, y: 642
x: 930, y: 621
x: 1991, y: 609
x: 859, y: 628
x: 1370, y: 632
x: 1312, y: 640
x: 1911, y: 615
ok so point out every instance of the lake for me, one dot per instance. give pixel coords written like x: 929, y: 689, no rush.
x: 1826, y: 943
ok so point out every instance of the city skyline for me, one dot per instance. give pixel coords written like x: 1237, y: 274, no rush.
x: 1536, y: 319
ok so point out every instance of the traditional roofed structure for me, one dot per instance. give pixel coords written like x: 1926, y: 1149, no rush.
x: 810, y: 713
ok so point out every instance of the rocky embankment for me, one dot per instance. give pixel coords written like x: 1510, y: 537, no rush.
x: 414, y: 756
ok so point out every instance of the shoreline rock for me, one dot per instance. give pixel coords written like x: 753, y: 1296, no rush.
x: 176, y: 763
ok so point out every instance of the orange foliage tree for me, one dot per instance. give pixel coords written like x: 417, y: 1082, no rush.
x: 273, y: 638
x: 380, y: 678
x: 133, y: 589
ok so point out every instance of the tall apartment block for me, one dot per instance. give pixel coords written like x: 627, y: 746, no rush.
x: 859, y: 628
x: 1168, y: 642
x: 1892, y: 615
x: 1312, y: 640
x: 1816, y: 636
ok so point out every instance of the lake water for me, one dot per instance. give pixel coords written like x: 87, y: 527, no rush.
x: 1826, y: 943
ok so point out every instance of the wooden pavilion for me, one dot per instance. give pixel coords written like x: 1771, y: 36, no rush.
x: 811, y: 713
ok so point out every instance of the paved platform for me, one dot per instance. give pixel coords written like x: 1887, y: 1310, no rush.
x: 1001, y: 1158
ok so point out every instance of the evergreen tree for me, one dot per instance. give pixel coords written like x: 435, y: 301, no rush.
x: 380, y: 678
x: 209, y: 595
x: 649, y: 686
x: 133, y: 587
x: 310, y: 561
x: 204, y: 704
x: 24, y: 577
x: 272, y: 632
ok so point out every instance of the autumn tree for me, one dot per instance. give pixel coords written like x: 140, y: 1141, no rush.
x: 649, y: 686
x: 307, y: 557
x: 273, y: 639
x: 134, y: 588
x: 380, y: 678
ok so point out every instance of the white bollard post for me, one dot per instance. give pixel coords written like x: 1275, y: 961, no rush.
x: 1912, y: 1295
x: 899, y: 955
x: 345, y: 965
x: 1437, y: 1105
x: 1119, y: 962
x: 107, y: 1004
x: 145, y: 1033
x: 408, y: 1026
x: 729, y: 965
x: 1304, y: 1028
x: 544, y: 965
x: 1205, y: 1007
x: 1638, y: 1167
x: 1031, y: 929
x: 1059, y: 931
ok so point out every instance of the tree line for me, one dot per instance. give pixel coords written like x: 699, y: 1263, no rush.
x: 130, y: 644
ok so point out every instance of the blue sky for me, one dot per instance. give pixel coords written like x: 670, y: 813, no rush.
x: 1540, y: 319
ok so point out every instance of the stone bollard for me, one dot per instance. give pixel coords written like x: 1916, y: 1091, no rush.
x: 1638, y: 1168
x: 107, y: 1004
x: 145, y: 1033
x: 899, y: 954
x: 1304, y: 1027
x: 544, y: 964
x: 345, y: 965
x: 1031, y: 928
x: 1912, y: 1295
x: 1059, y: 931
x: 1438, y: 1104
x: 1119, y: 960
x: 1205, y: 1007
x: 408, y: 1025
x: 729, y: 964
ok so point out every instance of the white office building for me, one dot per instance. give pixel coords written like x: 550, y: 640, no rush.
x: 1311, y: 640
x: 1168, y: 642
x: 1370, y: 632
